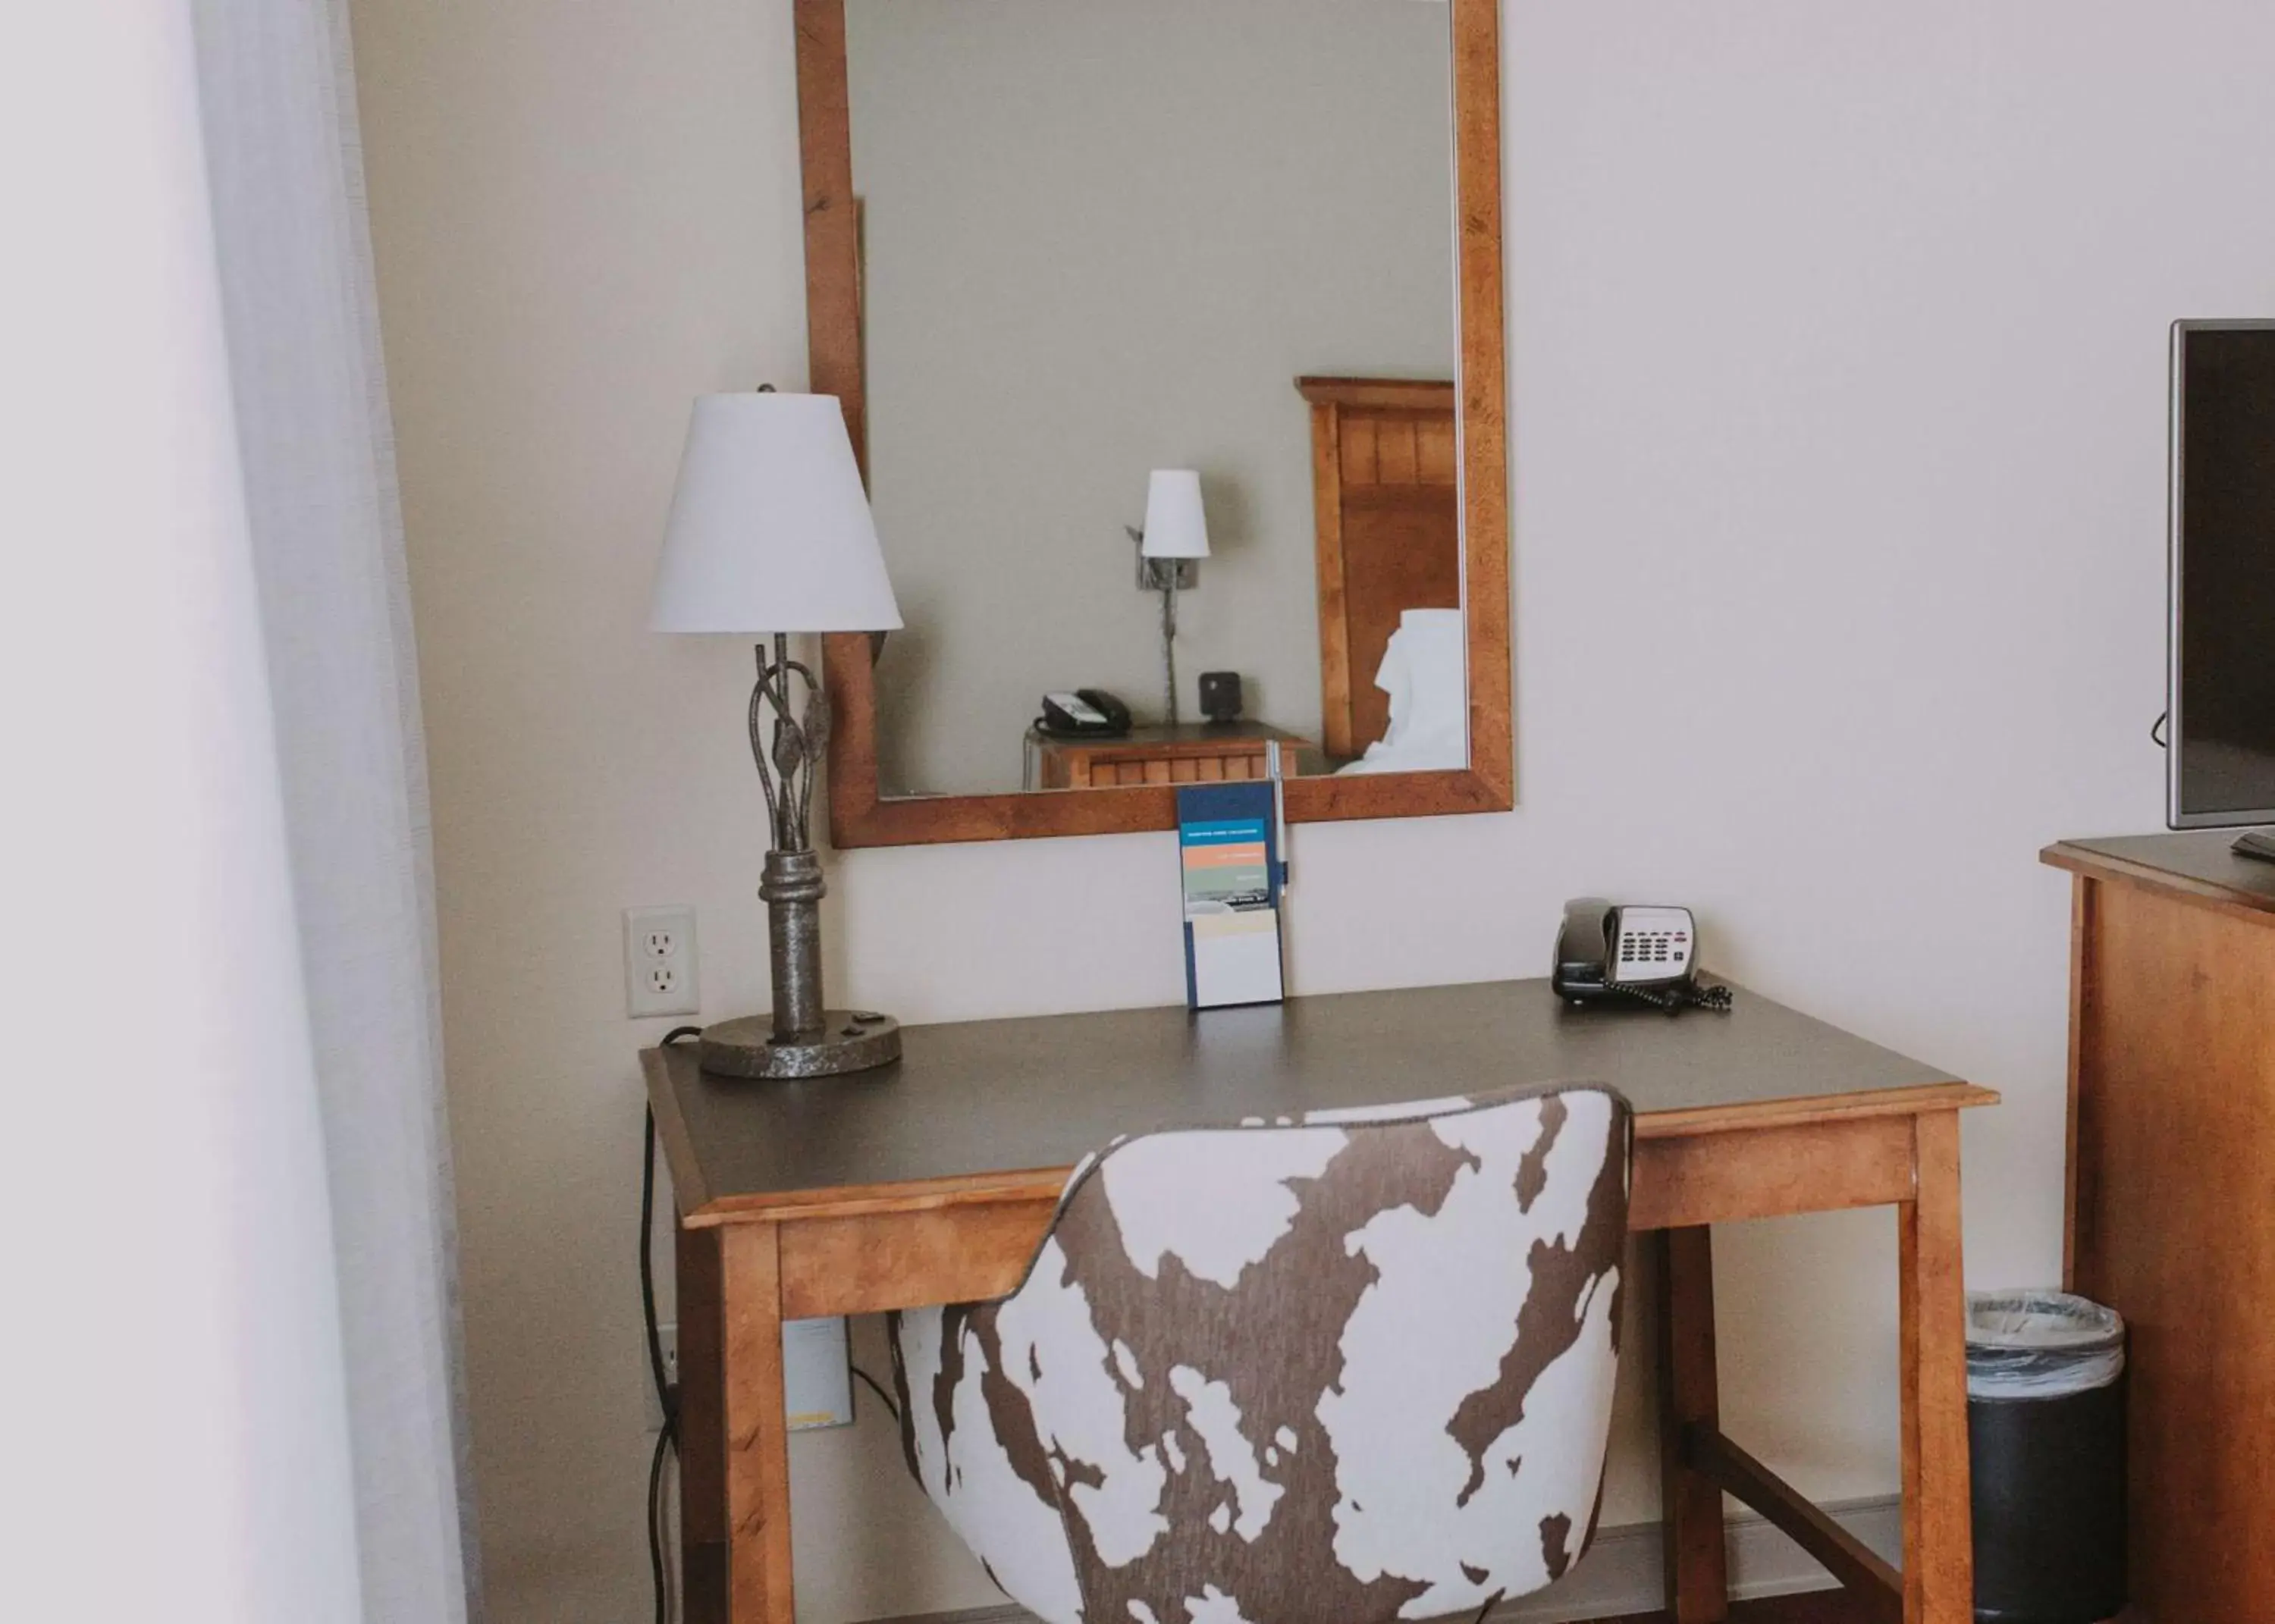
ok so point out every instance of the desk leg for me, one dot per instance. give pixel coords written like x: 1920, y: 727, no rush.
x: 1697, y: 1575
x: 735, y: 1443
x: 702, y: 1432
x: 1938, y: 1537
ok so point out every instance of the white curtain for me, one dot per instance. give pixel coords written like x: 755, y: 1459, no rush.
x: 177, y: 1436
x: 291, y: 238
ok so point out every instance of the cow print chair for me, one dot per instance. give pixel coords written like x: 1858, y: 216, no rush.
x: 1343, y: 1370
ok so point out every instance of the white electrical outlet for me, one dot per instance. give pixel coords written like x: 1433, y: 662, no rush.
x: 668, y: 1337
x: 660, y: 962
x: 817, y: 1374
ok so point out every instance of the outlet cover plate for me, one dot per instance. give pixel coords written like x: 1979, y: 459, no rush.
x: 659, y: 975
x: 668, y: 1336
x: 817, y: 1374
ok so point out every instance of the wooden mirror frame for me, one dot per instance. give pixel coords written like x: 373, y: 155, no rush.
x: 859, y: 815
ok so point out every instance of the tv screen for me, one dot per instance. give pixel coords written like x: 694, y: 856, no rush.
x: 2221, y: 771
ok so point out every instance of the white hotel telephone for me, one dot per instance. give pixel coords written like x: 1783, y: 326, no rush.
x: 1648, y: 956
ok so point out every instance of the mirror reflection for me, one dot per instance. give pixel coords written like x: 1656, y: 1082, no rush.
x: 1159, y: 340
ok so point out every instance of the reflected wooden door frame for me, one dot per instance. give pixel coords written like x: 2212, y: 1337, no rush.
x: 859, y: 814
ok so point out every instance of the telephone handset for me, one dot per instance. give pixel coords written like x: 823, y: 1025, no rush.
x: 1647, y: 954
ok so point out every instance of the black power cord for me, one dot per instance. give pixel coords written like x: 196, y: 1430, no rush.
x: 1682, y: 995
x: 883, y: 1397
x: 667, y: 1395
x: 663, y: 1443
x: 667, y: 1392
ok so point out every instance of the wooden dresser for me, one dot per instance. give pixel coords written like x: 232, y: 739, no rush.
x: 2172, y: 1197
x: 1193, y: 752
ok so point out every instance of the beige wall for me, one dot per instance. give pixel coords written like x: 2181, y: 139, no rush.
x: 1102, y: 238
x: 1838, y: 380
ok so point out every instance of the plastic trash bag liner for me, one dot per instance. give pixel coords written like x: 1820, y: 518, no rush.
x: 2040, y: 1345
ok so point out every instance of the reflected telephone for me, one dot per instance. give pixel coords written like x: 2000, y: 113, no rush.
x: 1086, y: 712
x: 1646, y: 956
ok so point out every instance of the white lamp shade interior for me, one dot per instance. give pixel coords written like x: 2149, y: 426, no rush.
x: 1174, y: 524
x: 770, y: 529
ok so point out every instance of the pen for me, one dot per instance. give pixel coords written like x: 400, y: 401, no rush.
x: 1279, y: 806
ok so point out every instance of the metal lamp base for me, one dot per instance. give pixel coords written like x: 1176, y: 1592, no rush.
x: 849, y: 1040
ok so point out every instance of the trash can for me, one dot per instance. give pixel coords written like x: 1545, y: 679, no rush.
x: 2045, y: 1426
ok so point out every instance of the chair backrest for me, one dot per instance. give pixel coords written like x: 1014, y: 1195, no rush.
x: 1342, y: 1370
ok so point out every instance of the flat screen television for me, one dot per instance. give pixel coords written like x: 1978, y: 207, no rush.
x: 2220, y: 759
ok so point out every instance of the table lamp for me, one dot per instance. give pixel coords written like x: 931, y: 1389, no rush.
x: 1170, y: 548
x: 770, y: 534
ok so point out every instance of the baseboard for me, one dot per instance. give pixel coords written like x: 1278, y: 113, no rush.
x: 1622, y: 1573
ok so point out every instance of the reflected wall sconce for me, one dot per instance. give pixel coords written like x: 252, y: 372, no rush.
x: 1169, y: 551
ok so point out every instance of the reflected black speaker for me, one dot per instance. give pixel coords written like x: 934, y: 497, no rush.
x: 1220, y: 695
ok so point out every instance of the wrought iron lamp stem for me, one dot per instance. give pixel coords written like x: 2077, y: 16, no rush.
x: 803, y: 1038
x: 1169, y: 637
x: 791, y: 887
x: 786, y: 757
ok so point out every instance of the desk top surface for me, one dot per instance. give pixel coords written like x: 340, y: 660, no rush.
x: 975, y: 1100
x: 2196, y: 863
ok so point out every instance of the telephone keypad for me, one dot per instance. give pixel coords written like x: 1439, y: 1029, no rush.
x: 1654, y: 945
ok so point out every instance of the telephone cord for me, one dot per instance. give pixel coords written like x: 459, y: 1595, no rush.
x: 1682, y: 995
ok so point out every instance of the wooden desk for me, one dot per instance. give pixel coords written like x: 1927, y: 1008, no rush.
x: 932, y: 1182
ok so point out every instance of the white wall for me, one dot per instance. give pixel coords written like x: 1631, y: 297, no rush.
x: 1102, y: 238
x: 1837, y: 358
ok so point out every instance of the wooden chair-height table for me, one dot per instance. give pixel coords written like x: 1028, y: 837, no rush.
x: 931, y: 1180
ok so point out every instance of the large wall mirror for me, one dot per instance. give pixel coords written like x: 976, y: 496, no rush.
x: 1105, y: 285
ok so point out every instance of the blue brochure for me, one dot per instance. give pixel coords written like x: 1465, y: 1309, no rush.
x: 1229, y: 860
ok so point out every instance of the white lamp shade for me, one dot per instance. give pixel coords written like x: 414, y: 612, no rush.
x: 1175, y: 526
x: 770, y: 528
